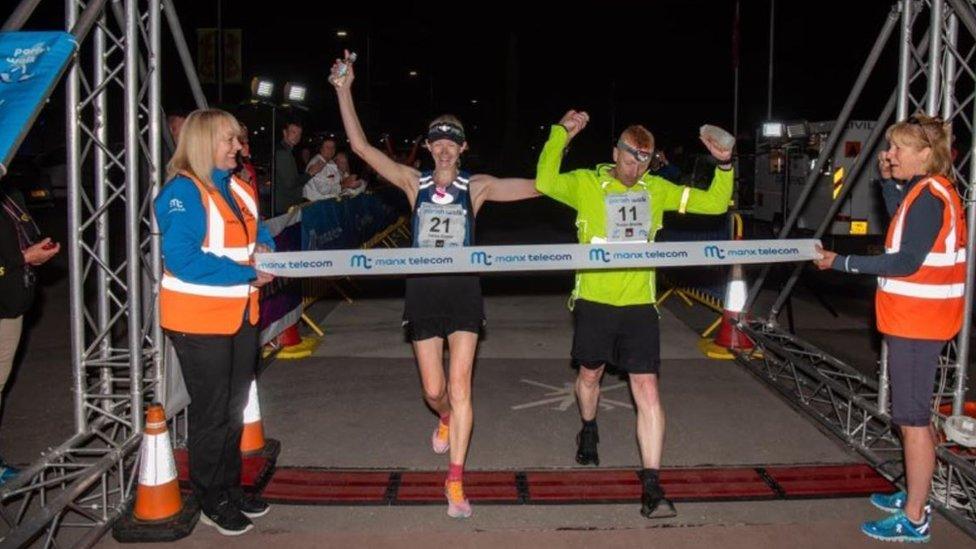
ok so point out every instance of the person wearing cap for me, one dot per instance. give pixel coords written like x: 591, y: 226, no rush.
x: 441, y: 308
x: 616, y: 320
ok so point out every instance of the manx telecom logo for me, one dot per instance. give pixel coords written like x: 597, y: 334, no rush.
x: 714, y: 252
x: 599, y: 254
x: 480, y: 258
x: 360, y: 261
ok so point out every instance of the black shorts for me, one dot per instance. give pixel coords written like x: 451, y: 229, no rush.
x: 437, y: 306
x: 627, y: 337
x: 912, y: 364
x: 426, y: 328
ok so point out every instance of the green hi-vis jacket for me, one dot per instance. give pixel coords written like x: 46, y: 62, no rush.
x: 585, y: 191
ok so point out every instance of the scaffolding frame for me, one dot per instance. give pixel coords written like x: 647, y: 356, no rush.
x: 114, y: 138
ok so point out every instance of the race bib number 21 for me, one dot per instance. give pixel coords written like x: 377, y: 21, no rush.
x: 441, y: 226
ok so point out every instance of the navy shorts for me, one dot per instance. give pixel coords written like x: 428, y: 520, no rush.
x: 912, y: 364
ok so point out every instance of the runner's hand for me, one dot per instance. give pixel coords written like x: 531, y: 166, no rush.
x: 342, y: 81
x: 574, y: 122
x: 720, y: 154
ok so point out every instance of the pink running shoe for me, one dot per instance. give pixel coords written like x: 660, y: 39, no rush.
x: 440, y: 441
x: 458, y: 506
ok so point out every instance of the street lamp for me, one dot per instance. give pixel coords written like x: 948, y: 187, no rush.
x: 262, y: 88
x: 295, y: 93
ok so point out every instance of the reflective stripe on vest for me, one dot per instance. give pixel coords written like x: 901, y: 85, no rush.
x: 923, y: 291
x: 928, y: 303
x: 952, y: 255
x: 210, y: 309
x: 170, y: 282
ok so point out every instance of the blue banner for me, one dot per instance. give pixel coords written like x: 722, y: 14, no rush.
x: 31, y: 63
x: 348, y: 223
x: 321, y: 225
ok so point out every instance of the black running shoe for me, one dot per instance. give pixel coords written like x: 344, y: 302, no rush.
x: 587, y: 440
x: 227, y: 519
x: 254, y: 507
x: 653, y: 503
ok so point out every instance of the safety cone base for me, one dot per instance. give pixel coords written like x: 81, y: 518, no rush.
x: 299, y: 350
x: 129, y: 529
x: 713, y: 351
x: 717, y: 352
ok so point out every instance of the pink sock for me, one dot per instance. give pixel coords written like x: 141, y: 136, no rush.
x: 455, y: 471
x: 446, y: 418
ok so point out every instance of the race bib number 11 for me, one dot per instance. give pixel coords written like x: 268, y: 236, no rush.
x: 628, y: 217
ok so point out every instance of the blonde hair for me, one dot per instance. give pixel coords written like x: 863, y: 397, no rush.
x: 201, y: 132
x: 639, y: 136
x: 921, y: 131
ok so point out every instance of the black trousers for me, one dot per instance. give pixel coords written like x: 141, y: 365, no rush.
x: 218, y: 370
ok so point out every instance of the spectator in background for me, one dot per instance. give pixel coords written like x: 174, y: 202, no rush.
x: 303, y: 155
x: 245, y: 167
x: 351, y: 184
x: 325, y: 180
x: 175, y: 120
x: 288, y: 181
x: 21, y: 250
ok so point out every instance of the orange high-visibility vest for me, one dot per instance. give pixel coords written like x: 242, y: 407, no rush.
x: 206, y: 309
x: 927, y: 304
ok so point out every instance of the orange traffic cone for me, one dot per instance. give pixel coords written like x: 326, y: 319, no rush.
x: 158, y: 494
x: 294, y: 346
x: 729, y: 337
x: 252, y: 438
x: 289, y: 336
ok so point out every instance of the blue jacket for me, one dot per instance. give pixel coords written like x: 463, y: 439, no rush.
x: 182, y: 223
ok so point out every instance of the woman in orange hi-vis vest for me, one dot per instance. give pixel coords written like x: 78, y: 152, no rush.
x: 208, y: 303
x: 919, y: 303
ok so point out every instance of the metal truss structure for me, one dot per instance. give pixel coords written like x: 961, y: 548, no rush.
x: 75, y: 491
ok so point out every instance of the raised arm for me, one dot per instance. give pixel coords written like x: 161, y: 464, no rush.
x: 486, y: 187
x: 403, y: 177
x: 714, y: 200
x: 560, y: 186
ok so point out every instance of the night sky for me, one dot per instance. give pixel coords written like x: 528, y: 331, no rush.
x: 666, y: 64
